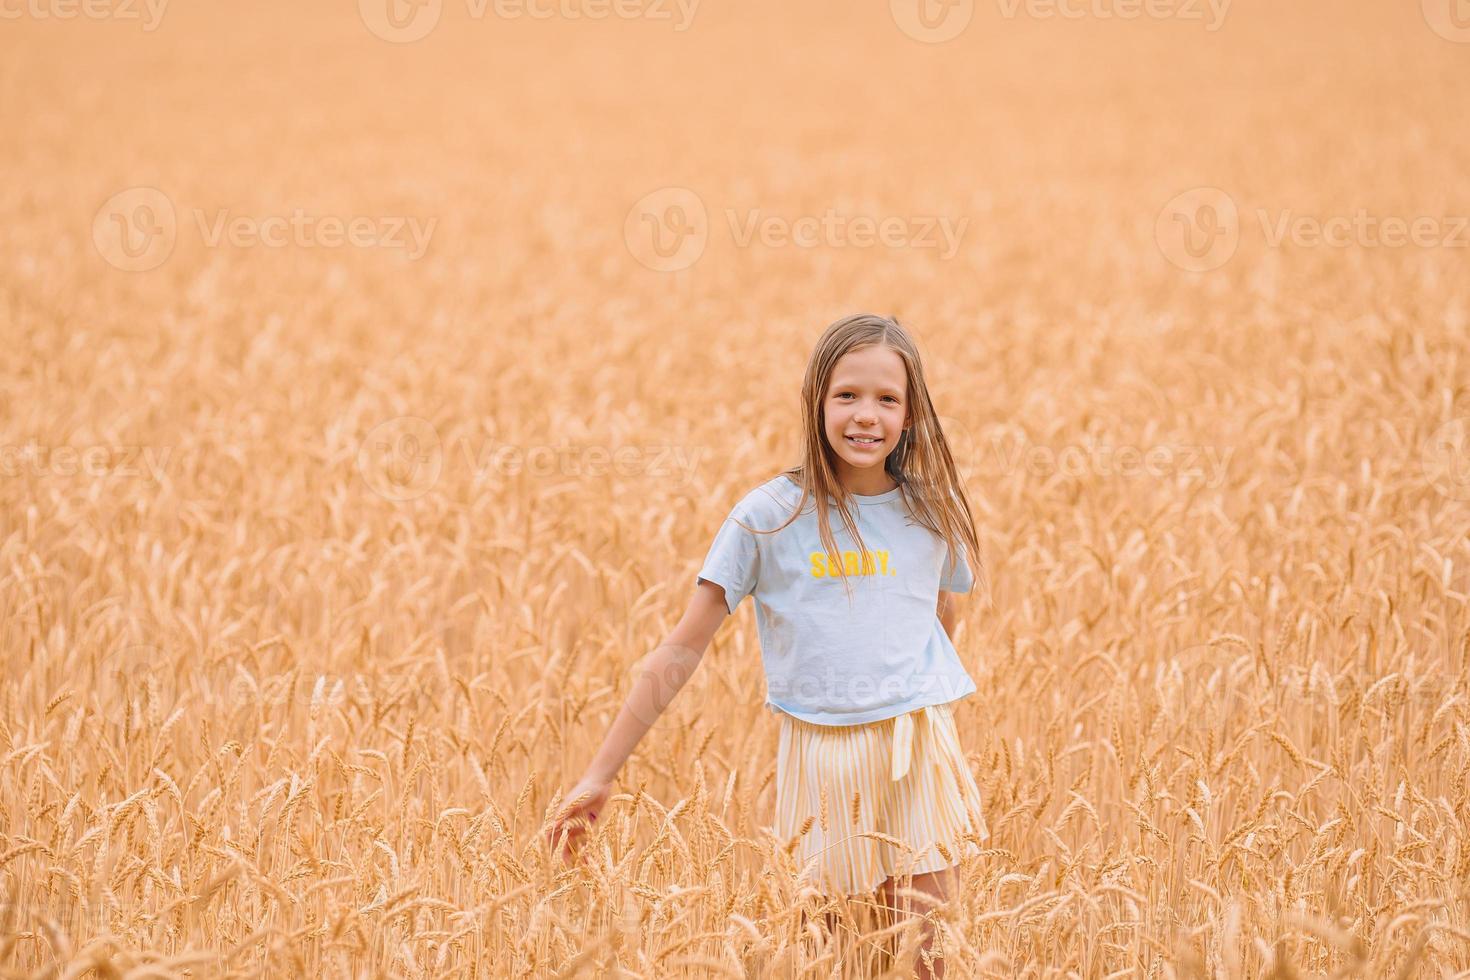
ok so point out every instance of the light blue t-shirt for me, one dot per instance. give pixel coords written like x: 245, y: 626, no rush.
x: 827, y: 660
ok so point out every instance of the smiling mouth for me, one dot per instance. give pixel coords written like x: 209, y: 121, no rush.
x: 864, y: 443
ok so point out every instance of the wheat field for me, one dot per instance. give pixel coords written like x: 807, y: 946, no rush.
x: 375, y: 379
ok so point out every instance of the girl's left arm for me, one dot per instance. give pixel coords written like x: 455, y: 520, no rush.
x: 949, y: 612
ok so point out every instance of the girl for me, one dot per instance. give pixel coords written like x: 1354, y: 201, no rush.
x: 854, y: 628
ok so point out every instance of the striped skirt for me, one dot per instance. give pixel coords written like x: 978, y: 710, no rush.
x: 904, y: 778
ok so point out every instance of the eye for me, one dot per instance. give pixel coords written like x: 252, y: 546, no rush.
x: 844, y: 394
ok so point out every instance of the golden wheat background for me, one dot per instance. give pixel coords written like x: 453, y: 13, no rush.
x: 327, y: 558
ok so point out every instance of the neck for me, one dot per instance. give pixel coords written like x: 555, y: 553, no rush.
x: 866, y: 483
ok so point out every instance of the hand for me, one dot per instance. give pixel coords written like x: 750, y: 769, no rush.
x: 577, y: 816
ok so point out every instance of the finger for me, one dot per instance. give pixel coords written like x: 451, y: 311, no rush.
x: 563, y: 831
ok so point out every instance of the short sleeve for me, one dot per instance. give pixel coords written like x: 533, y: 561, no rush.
x: 733, y: 562
x: 956, y: 576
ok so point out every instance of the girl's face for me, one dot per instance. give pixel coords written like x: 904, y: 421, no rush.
x: 867, y: 398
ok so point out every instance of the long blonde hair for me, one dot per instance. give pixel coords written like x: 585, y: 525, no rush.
x: 921, y: 463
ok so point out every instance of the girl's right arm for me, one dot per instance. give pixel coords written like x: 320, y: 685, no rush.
x: 662, y: 673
